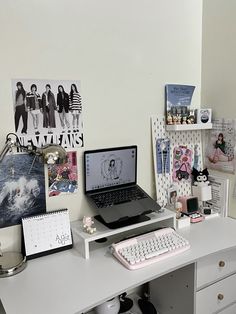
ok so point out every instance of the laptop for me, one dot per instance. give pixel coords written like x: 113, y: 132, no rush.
x: 111, y: 185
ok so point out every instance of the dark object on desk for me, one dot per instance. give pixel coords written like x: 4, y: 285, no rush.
x: 122, y: 222
x: 146, y: 306
x: 110, y: 177
x: 101, y: 240
x: 207, y: 211
x: 125, y: 303
x: 189, y: 204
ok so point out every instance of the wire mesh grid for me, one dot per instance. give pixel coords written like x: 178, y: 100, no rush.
x: 189, y: 138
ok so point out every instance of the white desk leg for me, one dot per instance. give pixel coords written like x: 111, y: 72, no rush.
x: 86, y: 249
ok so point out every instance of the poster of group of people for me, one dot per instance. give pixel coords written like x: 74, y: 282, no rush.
x: 219, y: 150
x: 48, y: 111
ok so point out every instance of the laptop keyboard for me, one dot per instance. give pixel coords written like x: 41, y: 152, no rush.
x: 111, y: 198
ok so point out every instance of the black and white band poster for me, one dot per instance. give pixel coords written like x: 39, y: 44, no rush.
x: 48, y: 112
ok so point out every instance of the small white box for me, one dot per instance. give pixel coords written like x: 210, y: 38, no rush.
x: 203, y: 193
x: 204, y: 116
x: 183, y: 222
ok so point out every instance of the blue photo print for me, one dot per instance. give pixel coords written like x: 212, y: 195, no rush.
x: 22, y: 188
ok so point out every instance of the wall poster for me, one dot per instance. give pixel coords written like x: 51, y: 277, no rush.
x: 22, y: 188
x: 63, y: 178
x: 48, y: 111
x: 220, y: 144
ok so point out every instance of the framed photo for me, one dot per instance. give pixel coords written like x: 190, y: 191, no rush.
x: 172, y: 196
x: 220, y: 195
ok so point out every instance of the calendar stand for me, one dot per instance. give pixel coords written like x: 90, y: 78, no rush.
x: 46, y: 233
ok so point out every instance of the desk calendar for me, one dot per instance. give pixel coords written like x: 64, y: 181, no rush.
x: 46, y: 233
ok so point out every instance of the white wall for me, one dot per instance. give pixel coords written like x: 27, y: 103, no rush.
x: 219, y: 65
x: 124, y: 52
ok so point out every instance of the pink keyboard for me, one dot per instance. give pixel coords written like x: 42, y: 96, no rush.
x: 149, y: 248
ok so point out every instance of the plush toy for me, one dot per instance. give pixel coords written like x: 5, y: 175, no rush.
x: 178, y: 208
x: 169, y: 119
x: 200, y: 177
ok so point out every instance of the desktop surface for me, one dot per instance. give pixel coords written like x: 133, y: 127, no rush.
x: 67, y: 283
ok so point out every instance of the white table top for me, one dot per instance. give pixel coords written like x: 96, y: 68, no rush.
x: 67, y: 283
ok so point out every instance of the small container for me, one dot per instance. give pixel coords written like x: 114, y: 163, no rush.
x: 111, y: 306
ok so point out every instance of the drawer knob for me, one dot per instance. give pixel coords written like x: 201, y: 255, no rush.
x: 220, y: 296
x: 221, y: 263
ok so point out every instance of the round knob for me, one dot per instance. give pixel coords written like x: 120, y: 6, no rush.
x: 220, y: 296
x: 221, y: 263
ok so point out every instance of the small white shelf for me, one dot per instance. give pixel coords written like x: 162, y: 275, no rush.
x: 188, y: 127
x: 86, y: 242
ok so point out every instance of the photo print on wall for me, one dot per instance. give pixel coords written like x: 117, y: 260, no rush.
x: 63, y: 179
x: 220, y: 145
x: 48, y: 111
x: 22, y: 188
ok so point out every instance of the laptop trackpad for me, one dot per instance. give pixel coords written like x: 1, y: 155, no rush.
x: 121, y: 211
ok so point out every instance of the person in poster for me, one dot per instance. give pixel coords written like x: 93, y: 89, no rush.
x: 219, y: 151
x: 33, y: 103
x: 22, y: 188
x: 48, y: 109
x: 220, y: 146
x: 75, y: 107
x: 63, y: 108
x: 40, y: 134
x: 20, y: 108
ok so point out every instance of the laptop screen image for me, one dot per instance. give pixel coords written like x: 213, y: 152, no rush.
x: 110, y: 177
x: 110, y: 168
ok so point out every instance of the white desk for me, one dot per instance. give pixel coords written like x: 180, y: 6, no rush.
x: 66, y: 283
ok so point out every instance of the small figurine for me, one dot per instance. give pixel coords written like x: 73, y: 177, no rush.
x: 87, y: 225
x: 178, y: 208
x: 174, y: 119
x: 191, y: 117
x: 178, y: 119
x: 190, y: 120
x: 169, y: 118
x: 184, y: 120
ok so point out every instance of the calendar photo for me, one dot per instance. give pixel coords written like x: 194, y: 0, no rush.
x: 22, y: 188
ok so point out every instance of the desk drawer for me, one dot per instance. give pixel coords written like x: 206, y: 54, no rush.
x: 215, y: 267
x: 217, y: 296
x: 229, y: 310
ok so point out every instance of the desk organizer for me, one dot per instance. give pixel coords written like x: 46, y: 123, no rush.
x: 187, y: 135
x: 85, y: 243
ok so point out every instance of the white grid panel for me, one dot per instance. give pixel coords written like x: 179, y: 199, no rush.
x: 187, y: 138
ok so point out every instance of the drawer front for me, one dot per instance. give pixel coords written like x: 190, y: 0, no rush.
x: 215, y: 267
x: 217, y: 296
x: 229, y: 310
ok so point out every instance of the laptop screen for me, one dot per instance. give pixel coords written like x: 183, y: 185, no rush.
x: 109, y: 168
